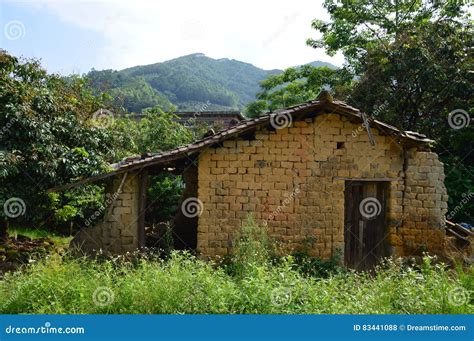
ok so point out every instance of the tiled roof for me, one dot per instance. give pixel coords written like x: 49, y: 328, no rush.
x: 334, y: 106
x: 322, y: 103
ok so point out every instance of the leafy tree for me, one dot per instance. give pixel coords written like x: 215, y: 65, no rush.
x: 413, y: 64
x: 296, y: 85
x: 47, y: 137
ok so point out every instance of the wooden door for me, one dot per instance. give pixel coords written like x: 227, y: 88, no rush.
x: 365, y: 228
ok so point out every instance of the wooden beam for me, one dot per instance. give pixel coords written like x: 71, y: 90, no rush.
x: 143, y: 185
x: 366, y: 179
x: 367, y: 127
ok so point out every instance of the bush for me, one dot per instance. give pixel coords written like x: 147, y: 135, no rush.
x: 184, y: 284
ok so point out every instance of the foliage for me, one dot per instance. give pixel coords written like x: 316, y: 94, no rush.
x: 189, y: 82
x: 164, y: 193
x: 72, y: 207
x: 297, y: 85
x: 251, y: 249
x: 47, y: 138
x: 184, y: 284
x: 317, y: 267
x: 358, y: 27
x: 157, y: 131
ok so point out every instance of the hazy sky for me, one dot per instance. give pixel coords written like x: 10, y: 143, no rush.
x: 75, y: 36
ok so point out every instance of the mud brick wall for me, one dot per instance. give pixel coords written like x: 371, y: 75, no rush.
x: 292, y: 180
x: 425, y: 205
x: 117, y: 231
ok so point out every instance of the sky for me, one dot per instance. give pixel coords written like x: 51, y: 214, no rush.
x: 73, y: 36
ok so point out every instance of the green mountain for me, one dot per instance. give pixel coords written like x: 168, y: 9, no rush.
x: 193, y: 82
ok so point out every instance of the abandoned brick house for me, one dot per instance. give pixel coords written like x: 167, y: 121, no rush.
x: 321, y: 176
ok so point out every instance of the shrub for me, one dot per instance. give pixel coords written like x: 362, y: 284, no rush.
x: 184, y: 284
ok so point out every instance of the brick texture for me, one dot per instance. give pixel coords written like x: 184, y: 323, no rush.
x: 292, y: 180
x: 117, y: 232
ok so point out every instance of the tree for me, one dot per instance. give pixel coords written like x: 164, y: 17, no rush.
x: 297, y: 85
x: 47, y: 137
x: 412, y: 60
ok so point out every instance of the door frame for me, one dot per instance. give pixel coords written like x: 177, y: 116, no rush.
x: 365, y: 231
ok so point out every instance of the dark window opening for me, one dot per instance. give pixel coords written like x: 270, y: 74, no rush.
x: 340, y: 145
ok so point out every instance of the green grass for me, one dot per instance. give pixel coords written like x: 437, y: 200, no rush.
x: 184, y: 284
x: 38, y: 233
x: 254, y: 280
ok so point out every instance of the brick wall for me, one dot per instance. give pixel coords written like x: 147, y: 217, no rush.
x: 425, y: 205
x: 117, y: 231
x: 292, y: 180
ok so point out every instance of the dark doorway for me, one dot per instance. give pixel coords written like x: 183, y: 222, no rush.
x: 365, y: 227
x: 185, y: 222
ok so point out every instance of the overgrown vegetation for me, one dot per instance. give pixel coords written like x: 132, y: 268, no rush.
x: 184, y: 284
x: 54, y: 132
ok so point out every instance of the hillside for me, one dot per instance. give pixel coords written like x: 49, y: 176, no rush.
x: 193, y: 82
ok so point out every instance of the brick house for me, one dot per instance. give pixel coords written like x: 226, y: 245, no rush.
x: 321, y: 176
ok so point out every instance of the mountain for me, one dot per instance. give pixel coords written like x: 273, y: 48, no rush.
x: 193, y: 82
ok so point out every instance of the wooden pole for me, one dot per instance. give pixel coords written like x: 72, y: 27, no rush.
x: 142, y: 207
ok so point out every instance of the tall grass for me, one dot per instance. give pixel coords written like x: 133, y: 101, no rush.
x: 185, y: 284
